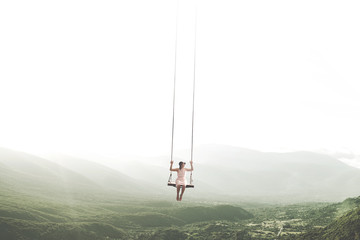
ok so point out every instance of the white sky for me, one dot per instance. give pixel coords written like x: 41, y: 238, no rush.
x: 97, y: 76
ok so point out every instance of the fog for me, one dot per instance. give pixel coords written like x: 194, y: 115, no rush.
x: 89, y: 77
x: 221, y: 173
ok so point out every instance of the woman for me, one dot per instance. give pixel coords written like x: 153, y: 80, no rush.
x: 181, y: 179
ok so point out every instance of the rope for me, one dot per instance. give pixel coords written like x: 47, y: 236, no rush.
x: 193, y: 105
x: 173, y: 115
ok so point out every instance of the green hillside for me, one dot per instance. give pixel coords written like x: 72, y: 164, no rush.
x: 128, y: 217
x: 222, y: 212
x: 77, y: 199
x: 345, y: 224
x: 345, y: 227
x: 13, y: 229
x: 25, y: 217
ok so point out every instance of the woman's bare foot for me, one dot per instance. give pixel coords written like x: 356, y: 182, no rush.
x: 180, y: 198
x: 177, y: 198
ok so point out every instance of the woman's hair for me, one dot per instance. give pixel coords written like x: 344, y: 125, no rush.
x: 180, y: 165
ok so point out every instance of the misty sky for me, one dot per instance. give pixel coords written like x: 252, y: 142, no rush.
x: 97, y: 76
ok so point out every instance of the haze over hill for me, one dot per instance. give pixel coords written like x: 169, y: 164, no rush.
x: 27, y: 173
x: 236, y: 173
x: 221, y: 172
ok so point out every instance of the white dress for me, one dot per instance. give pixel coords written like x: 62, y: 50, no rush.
x: 181, y: 179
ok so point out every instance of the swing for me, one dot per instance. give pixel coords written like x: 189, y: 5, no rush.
x: 173, y: 184
x: 170, y: 180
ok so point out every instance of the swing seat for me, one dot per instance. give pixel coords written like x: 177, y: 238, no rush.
x: 173, y: 184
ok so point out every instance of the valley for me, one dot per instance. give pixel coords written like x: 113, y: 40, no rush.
x: 73, y: 198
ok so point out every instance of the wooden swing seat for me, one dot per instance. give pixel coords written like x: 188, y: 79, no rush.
x: 173, y: 184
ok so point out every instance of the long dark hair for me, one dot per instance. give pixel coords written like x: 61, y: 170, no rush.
x: 180, y: 165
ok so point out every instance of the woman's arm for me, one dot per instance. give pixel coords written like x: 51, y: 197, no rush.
x: 190, y: 169
x: 171, y: 168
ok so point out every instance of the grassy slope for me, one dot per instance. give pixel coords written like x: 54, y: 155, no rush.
x: 43, y: 200
x: 221, y: 212
x: 23, y: 230
x: 114, y: 216
x: 345, y: 226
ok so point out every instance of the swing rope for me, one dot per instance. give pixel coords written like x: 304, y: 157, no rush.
x: 193, y: 103
x: 173, y: 115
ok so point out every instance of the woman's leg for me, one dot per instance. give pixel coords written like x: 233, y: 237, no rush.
x: 182, y: 191
x: 177, y: 192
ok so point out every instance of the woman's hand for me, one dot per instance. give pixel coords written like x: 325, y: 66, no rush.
x: 192, y: 167
x: 172, y: 169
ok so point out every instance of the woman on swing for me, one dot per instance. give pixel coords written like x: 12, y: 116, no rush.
x: 181, y: 179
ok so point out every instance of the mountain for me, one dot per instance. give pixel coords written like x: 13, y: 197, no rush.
x: 239, y: 173
x: 221, y: 173
x: 154, y: 171
x: 103, y: 176
x: 344, y: 227
x: 26, y: 173
x: 293, y: 175
x: 14, y: 229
